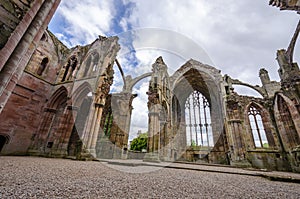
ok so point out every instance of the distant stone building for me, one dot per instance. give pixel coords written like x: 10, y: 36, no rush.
x: 55, y: 102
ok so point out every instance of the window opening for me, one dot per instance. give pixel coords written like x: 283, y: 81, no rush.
x: 198, y: 120
x: 257, y: 128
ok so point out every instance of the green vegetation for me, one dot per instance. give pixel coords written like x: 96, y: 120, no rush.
x: 193, y: 143
x: 266, y: 145
x: 108, y: 124
x: 139, y: 143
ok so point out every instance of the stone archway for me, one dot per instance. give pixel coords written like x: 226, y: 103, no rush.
x: 75, y: 142
x: 114, y: 134
x: 196, y: 130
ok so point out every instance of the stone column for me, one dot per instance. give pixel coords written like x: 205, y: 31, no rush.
x: 95, y: 132
x: 121, y: 104
x: 153, y: 130
x: 17, y: 61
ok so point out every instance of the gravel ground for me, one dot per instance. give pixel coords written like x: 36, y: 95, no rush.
x: 31, y: 177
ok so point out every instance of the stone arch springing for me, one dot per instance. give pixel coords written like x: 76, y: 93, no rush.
x: 42, y: 66
x: 287, y: 116
x: 259, y: 126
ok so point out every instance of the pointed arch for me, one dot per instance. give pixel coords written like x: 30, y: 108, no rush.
x: 59, y: 96
x: 197, y: 77
x: 259, y: 126
x: 80, y: 93
x: 288, y: 120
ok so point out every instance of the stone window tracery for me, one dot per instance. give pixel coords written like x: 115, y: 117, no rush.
x: 198, y: 120
x: 257, y: 128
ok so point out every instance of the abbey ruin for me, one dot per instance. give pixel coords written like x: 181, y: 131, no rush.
x: 56, y: 101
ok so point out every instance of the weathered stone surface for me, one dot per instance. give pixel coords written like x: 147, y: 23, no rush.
x: 56, y: 101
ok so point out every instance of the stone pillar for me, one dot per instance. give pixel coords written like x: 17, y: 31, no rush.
x: 14, y: 66
x: 95, y: 132
x: 121, y: 104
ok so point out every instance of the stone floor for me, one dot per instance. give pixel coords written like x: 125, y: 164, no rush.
x: 32, y: 177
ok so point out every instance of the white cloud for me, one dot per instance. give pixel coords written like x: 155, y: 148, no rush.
x: 85, y: 20
x: 237, y: 37
x: 235, y: 34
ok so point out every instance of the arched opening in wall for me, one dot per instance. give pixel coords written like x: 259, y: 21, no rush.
x: 3, y: 140
x: 290, y: 133
x: 69, y: 68
x: 198, y: 120
x: 75, y: 143
x: 197, y: 115
x: 52, y: 121
x: 90, y: 64
x: 246, y: 91
x: 257, y: 128
x: 139, y: 118
x: 42, y: 66
x: 44, y: 37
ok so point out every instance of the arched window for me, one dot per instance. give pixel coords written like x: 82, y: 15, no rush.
x: 42, y: 66
x: 44, y: 37
x: 257, y: 128
x: 198, y: 120
x: 70, y: 67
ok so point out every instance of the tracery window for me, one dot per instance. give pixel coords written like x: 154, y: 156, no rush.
x: 257, y: 128
x: 198, y: 120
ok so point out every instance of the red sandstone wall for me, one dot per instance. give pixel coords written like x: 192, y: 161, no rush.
x: 21, y: 116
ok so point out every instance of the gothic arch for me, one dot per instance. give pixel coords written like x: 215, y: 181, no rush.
x: 258, y: 89
x: 288, y: 120
x: 50, y: 121
x: 82, y: 103
x: 129, y: 83
x: 80, y: 93
x: 195, y: 76
x: 267, y: 129
x: 58, y: 96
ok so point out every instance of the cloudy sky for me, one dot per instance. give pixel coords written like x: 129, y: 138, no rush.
x: 236, y: 36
